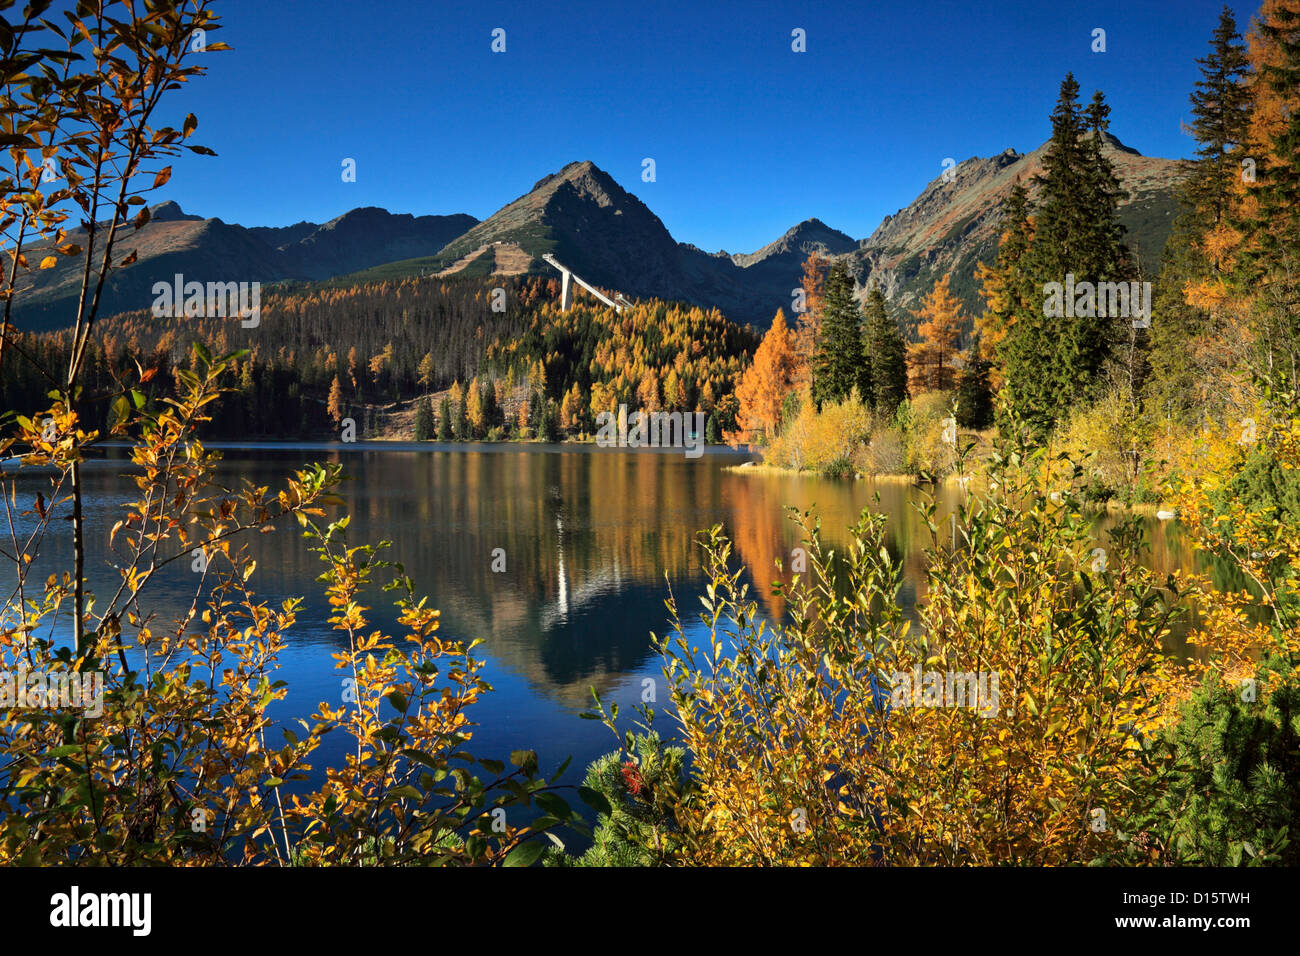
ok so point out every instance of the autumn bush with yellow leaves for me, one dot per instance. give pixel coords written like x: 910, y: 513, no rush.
x: 184, y: 766
x: 804, y: 753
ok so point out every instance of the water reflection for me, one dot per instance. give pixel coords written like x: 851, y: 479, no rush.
x: 591, y: 540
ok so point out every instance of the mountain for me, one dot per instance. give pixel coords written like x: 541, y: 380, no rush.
x: 605, y: 234
x: 611, y: 239
x: 951, y: 226
x: 206, y: 250
x: 583, y: 217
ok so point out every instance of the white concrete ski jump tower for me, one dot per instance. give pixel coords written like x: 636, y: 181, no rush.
x: 566, y: 290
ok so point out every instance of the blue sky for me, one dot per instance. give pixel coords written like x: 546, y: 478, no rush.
x: 748, y: 137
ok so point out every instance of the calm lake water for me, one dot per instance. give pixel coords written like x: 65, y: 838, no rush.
x: 592, y: 540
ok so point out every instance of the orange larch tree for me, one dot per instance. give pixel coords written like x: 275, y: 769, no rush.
x: 765, y: 384
x: 804, y: 340
x: 929, y: 361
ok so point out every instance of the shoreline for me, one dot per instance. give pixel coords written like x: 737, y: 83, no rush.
x: 1147, y: 509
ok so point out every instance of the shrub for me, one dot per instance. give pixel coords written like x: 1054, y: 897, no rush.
x: 885, y: 453
x: 1230, y: 787
x: 807, y: 749
x: 639, y: 790
x: 814, y: 439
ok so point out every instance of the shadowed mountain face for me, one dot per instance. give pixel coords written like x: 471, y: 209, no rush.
x: 612, y: 239
x: 209, y: 250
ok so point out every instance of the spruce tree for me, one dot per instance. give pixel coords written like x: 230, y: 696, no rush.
x: 974, y: 394
x: 424, y: 419
x: 444, y: 420
x: 459, y: 422
x: 838, y: 364
x: 887, y: 354
x: 1221, y: 121
x: 1053, y: 362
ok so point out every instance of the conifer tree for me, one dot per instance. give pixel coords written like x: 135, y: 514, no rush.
x: 334, y: 407
x: 838, y: 364
x: 974, y: 393
x: 1006, y: 286
x: 887, y: 354
x: 1271, y: 263
x: 425, y: 370
x: 1053, y: 363
x: 808, y: 328
x: 424, y: 419
x: 1221, y: 121
x: 444, y: 420
x: 474, y: 408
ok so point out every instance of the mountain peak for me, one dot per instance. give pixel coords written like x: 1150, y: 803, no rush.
x: 801, y: 239
x: 574, y: 172
x: 170, y: 211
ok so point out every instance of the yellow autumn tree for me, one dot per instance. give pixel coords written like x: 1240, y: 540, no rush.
x: 571, y: 409
x: 334, y: 407
x: 765, y: 385
x: 929, y: 361
x: 475, y: 413
x: 804, y: 341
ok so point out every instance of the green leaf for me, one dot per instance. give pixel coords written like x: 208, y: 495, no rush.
x: 554, y: 804
x: 596, y: 800
x: 524, y: 759
x: 120, y: 412
x: 525, y: 854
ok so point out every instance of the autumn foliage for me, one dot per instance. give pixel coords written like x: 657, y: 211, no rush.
x: 765, y: 384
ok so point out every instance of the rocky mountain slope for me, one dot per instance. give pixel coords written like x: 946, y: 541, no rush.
x: 591, y: 224
x: 583, y: 217
x: 207, y: 250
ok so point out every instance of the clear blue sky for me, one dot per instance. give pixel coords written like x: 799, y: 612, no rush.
x: 748, y: 136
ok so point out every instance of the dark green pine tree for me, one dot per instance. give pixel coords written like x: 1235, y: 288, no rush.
x: 548, y: 426
x: 459, y: 420
x: 491, y: 411
x: 1221, y: 104
x: 424, y: 419
x: 887, y: 354
x: 444, y: 420
x: 1232, y: 795
x: 974, y: 392
x: 838, y: 364
x: 1054, y: 363
x: 535, y: 411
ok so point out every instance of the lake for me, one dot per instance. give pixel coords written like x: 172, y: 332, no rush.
x: 592, y: 539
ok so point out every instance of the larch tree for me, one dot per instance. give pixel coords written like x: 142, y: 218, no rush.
x: 334, y: 407
x: 1271, y: 261
x: 765, y: 384
x: 1005, y: 285
x: 425, y: 371
x: 808, y: 327
x: 930, y: 360
x: 475, y: 413
x: 1191, y: 289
